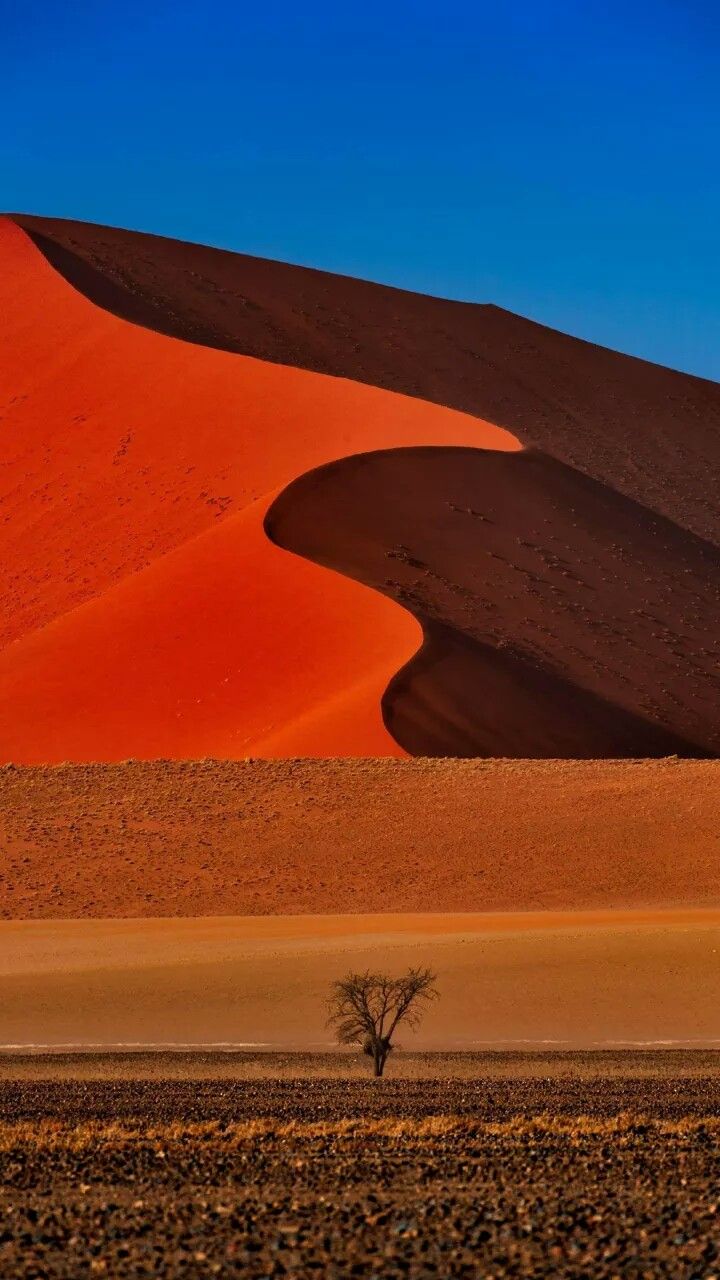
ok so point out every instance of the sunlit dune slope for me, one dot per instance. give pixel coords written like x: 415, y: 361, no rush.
x: 560, y: 618
x: 651, y: 433
x: 226, y: 646
x: 148, y: 612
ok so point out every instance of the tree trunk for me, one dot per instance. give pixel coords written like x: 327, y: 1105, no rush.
x: 379, y: 1061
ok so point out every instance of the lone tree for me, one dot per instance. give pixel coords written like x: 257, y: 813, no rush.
x: 365, y: 1008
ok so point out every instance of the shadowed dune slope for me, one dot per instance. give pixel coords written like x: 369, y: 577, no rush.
x: 142, y: 610
x: 269, y: 837
x: 649, y: 432
x: 560, y: 618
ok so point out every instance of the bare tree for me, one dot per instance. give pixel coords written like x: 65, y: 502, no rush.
x: 365, y: 1008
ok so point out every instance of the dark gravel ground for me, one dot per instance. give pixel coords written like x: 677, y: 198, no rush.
x: 158, y: 1101
x: 185, y: 1180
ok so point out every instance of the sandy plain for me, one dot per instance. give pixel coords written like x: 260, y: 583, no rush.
x: 552, y: 979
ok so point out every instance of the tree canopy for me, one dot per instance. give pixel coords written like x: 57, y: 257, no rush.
x: 366, y: 1008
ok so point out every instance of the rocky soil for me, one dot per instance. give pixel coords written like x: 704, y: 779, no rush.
x: 524, y: 1177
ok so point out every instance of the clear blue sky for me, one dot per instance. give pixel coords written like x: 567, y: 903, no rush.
x: 558, y: 157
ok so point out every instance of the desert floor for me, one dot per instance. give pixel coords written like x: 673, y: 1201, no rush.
x: 549, y: 979
x: 518, y: 1177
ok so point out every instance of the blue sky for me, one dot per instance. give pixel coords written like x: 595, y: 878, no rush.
x: 558, y: 158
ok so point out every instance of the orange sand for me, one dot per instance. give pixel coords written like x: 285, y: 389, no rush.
x: 149, y: 614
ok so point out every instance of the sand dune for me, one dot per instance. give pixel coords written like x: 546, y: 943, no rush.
x: 164, y: 405
x: 560, y: 618
x: 567, y: 979
x: 302, y: 836
x: 163, y: 395
x: 151, y: 616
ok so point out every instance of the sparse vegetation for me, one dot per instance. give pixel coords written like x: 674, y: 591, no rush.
x: 367, y: 1008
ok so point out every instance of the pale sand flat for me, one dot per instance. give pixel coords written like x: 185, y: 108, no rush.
x: 507, y: 979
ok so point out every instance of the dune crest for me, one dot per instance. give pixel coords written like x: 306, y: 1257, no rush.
x: 649, y: 432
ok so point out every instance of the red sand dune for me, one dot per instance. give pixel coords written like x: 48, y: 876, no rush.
x: 163, y: 394
x: 149, y: 614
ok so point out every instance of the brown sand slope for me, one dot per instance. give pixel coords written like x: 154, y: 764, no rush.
x: 568, y: 978
x: 651, y: 433
x: 560, y: 618
x: 266, y: 837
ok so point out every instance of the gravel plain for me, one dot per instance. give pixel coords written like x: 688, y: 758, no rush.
x: 534, y: 1176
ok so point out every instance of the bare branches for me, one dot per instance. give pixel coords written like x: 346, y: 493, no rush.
x: 367, y: 1007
